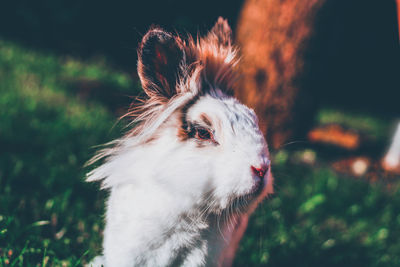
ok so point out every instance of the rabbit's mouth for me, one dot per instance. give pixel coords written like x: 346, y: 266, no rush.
x: 257, y: 188
x: 254, y: 192
x: 248, y: 201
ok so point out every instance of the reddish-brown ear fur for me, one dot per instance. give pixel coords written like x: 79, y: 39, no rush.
x: 217, y: 56
x: 165, y: 59
x: 221, y: 33
x: 160, y: 56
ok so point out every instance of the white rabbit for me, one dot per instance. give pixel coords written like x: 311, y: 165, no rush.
x: 184, y: 180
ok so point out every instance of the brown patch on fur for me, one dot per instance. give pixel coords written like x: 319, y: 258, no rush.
x: 205, y: 119
x: 150, y: 140
x: 183, y: 133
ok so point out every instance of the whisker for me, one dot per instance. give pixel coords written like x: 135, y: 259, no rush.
x: 291, y: 143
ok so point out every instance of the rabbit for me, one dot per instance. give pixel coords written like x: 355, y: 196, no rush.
x: 185, y: 178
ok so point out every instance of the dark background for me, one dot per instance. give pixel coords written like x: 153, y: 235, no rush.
x: 353, y: 59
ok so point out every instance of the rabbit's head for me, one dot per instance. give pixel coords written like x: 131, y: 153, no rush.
x: 192, y: 138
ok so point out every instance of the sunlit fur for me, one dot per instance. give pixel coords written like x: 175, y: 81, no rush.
x: 176, y: 200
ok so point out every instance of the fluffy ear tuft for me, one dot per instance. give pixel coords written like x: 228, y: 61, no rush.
x: 160, y: 56
x: 219, y: 56
x: 221, y: 33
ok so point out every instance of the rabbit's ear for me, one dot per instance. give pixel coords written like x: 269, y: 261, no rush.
x: 159, y: 63
x: 221, y: 33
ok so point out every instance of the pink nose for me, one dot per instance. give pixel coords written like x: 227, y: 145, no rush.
x: 260, y: 172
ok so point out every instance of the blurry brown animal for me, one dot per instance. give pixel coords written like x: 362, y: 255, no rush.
x: 273, y: 35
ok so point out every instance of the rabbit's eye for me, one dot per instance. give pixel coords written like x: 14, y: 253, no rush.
x: 203, y: 134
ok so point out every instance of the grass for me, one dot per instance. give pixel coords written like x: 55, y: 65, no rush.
x: 55, y: 109
x: 48, y: 216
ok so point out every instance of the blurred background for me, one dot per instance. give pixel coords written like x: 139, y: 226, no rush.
x: 68, y: 72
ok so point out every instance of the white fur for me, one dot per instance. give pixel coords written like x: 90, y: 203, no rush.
x: 166, y: 195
